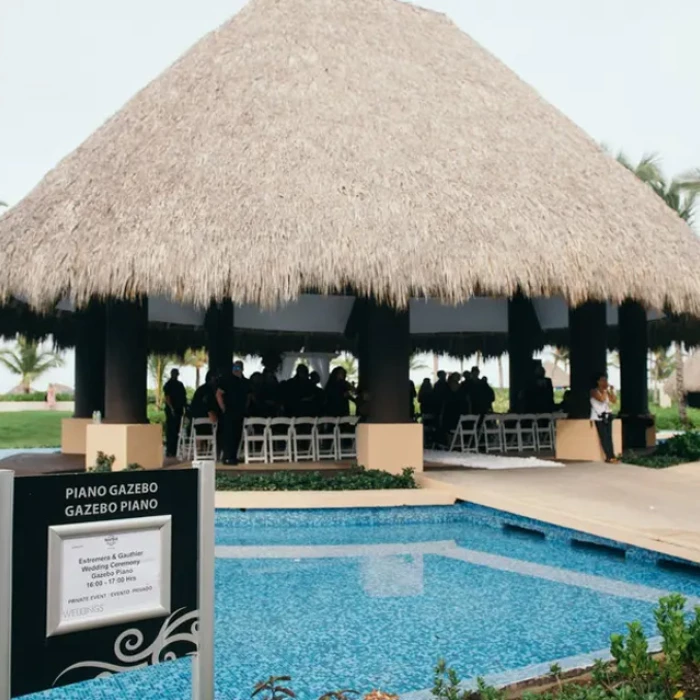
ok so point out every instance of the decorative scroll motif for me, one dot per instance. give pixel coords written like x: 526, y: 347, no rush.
x: 180, y: 627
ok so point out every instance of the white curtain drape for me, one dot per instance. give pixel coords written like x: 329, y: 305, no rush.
x: 317, y: 362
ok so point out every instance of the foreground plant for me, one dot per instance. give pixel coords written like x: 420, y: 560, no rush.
x: 356, y: 479
x: 103, y: 463
x: 272, y: 690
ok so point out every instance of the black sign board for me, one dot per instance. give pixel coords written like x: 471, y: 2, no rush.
x: 41, y: 661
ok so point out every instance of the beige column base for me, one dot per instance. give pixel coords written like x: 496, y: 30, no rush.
x: 577, y: 440
x: 73, y: 431
x: 130, y: 444
x: 651, y: 436
x: 390, y: 447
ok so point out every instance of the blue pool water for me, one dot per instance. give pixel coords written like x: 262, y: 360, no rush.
x: 372, y: 598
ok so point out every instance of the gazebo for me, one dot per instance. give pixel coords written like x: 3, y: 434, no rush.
x: 348, y: 147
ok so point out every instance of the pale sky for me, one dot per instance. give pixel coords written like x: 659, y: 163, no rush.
x: 624, y: 70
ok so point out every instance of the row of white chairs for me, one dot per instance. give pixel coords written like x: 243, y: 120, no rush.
x: 269, y: 440
x: 506, y: 432
x: 193, y: 444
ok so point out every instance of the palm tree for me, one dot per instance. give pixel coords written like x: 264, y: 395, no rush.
x: 157, y: 364
x: 197, y: 359
x: 416, y: 363
x: 349, y: 364
x: 662, y: 366
x: 29, y: 361
x: 560, y: 355
x: 681, y: 195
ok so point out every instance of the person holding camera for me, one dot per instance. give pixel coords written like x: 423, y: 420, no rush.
x: 602, y: 399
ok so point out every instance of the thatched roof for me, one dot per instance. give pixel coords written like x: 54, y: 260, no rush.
x: 321, y: 144
x: 691, y: 376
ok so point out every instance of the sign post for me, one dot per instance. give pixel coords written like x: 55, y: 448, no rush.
x: 203, y: 664
x: 6, y: 500
x: 102, y: 573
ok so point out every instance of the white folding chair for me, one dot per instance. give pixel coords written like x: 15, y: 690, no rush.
x: 544, y: 432
x: 466, y: 435
x: 279, y: 435
x: 255, y: 446
x: 492, y: 433
x: 510, y: 424
x: 326, y: 438
x: 303, y: 439
x: 204, y: 442
x: 528, y: 432
x: 347, y: 437
x: 184, y: 440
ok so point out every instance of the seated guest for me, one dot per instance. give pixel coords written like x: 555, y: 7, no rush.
x: 270, y: 395
x: 299, y: 394
x: 316, y: 406
x: 453, y: 407
x: 362, y: 405
x: 338, y: 394
x: 255, y: 406
x: 204, y: 404
x: 482, y: 396
x: 540, y: 393
x: 425, y: 397
x: 565, y: 405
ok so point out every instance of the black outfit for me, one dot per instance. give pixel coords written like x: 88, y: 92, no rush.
x: 203, y: 404
x: 299, y: 395
x: 440, y: 393
x: 540, y: 396
x: 236, y: 391
x: 337, y: 399
x: 174, y: 390
x: 412, y: 399
x: 604, y: 428
x: 452, y: 409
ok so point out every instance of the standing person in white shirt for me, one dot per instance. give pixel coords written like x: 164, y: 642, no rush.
x: 602, y: 399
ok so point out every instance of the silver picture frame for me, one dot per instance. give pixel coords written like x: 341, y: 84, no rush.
x: 57, y: 534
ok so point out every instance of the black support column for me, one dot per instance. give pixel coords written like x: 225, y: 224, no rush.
x: 90, y: 360
x: 386, y: 363
x: 634, y: 390
x: 519, y: 348
x: 219, y: 330
x: 126, y: 359
x: 588, y: 353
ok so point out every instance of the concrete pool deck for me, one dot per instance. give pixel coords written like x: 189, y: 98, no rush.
x: 657, y: 509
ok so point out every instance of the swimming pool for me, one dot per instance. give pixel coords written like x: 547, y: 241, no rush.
x: 367, y: 598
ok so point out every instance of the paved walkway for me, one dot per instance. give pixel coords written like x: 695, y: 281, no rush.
x: 654, y: 509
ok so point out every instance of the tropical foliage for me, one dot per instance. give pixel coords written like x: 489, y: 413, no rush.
x: 157, y: 366
x: 357, y: 479
x: 349, y: 363
x: 29, y: 361
x: 199, y: 360
x: 681, y: 195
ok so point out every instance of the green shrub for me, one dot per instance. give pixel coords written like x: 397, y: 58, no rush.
x: 668, y: 418
x: 103, y: 463
x: 676, y: 450
x: 156, y: 415
x: 357, y: 479
x: 34, y: 397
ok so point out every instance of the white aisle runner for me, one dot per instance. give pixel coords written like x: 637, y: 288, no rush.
x: 483, y: 461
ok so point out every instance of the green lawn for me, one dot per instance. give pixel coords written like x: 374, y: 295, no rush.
x: 43, y: 428
x: 31, y: 428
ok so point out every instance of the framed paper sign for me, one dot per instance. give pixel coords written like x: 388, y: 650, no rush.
x: 107, y: 572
